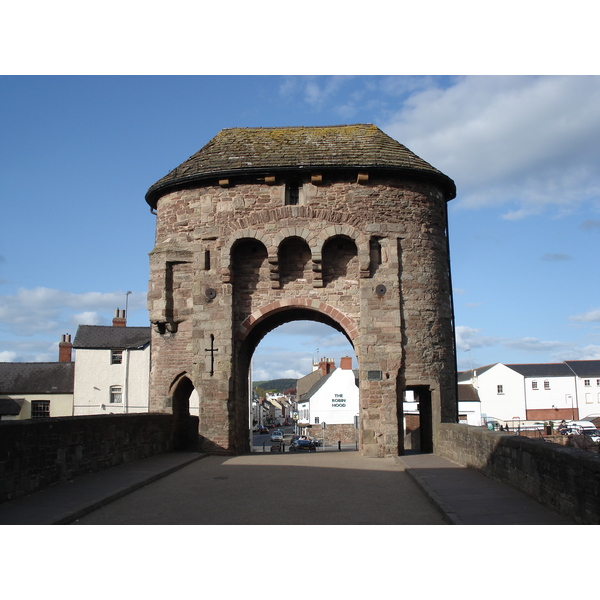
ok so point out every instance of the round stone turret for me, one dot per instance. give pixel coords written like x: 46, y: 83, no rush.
x: 264, y: 226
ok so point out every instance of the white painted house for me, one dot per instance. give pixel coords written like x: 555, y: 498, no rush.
x: 35, y: 390
x: 112, y: 369
x: 587, y: 386
x: 536, y: 392
x: 333, y: 399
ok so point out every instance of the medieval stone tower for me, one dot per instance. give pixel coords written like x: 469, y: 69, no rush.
x: 264, y: 226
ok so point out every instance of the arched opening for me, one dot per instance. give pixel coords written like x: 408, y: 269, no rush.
x: 185, y: 426
x: 280, y: 352
x: 250, y: 267
x: 340, y: 262
x: 294, y: 257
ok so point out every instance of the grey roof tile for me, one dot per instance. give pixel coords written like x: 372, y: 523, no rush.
x: 11, y: 406
x: 271, y: 149
x: 104, y: 337
x: 36, y: 378
x: 584, y: 368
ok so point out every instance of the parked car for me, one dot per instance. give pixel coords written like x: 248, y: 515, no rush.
x: 302, y: 445
x: 592, y: 434
x: 277, y: 436
x: 263, y: 429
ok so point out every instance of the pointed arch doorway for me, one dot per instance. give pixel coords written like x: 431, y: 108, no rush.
x: 185, y: 425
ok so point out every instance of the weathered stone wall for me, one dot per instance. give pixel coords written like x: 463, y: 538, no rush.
x: 37, y: 453
x: 565, y: 479
x: 231, y: 263
x: 345, y: 433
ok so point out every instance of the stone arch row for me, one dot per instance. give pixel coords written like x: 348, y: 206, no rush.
x: 315, y: 241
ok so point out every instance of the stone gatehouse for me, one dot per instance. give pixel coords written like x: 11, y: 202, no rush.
x: 264, y: 226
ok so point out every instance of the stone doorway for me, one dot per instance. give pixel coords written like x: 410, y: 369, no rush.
x: 292, y: 356
x: 245, y: 350
x: 185, y: 426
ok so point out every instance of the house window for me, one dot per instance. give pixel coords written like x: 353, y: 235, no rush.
x: 587, y: 382
x: 588, y: 398
x: 40, y: 409
x: 116, y: 394
x: 292, y: 194
x: 597, y: 381
x: 546, y: 385
x: 116, y: 357
x: 500, y: 389
x: 534, y: 385
x: 316, y: 420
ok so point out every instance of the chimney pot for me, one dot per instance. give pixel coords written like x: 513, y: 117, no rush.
x: 65, y: 349
x: 119, y: 319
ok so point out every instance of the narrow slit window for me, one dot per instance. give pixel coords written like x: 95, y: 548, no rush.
x: 292, y: 194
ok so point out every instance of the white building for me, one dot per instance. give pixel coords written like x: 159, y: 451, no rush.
x: 333, y: 399
x: 112, y: 369
x: 34, y: 390
x: 536, y: 392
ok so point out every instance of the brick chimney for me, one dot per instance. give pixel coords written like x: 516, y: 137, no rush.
x: 326, y: 366
x: 65, y: 348
x: 346, y: 363
x: 119, y: 319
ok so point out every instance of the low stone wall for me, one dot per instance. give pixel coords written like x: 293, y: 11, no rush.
x: 563, y: 478
x: 38, y: 453
x: 347, y: 434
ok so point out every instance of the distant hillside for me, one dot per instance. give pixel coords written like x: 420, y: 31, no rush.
x: 280, y: 385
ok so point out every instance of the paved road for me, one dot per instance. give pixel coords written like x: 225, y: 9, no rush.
x: 323, y: 488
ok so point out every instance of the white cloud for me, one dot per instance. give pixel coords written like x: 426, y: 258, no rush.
x: 528, y: 344
x: 7, y: 356
x: 468, y: 338
x: 527, y: 143
x: 591, y: 352
x: 88, y: 317
x: 588, y: 317
x: 44, y: 309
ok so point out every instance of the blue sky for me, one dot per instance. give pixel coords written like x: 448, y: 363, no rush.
x: 78, y: 153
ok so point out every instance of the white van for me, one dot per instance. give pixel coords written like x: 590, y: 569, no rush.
x: 580, y: 425
x: 586, y: 428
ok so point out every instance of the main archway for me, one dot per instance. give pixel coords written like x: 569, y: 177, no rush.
x: 255, y: 328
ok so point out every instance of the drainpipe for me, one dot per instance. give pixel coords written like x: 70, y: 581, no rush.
x: 575, y: 382
x: 126, y: 383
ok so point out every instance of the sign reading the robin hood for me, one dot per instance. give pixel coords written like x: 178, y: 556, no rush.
x: 338, y: 401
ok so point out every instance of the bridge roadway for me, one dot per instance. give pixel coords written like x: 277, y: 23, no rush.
x: 327, y: 487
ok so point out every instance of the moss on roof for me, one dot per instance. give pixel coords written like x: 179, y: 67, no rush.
x: 270, y: 149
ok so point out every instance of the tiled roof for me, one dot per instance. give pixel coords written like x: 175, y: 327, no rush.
x: 271, y: 149
x: 104, y: 337
x: 468, y: 375
x: 467, y: 393
x: 542, y: 370
x: 11, y: 406
x: 585, y: 368
x: 36, y: 378
x: 315, y: 388
x: 319, y: 384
